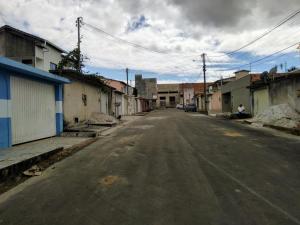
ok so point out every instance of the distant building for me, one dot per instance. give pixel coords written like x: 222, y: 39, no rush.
x: 192, y: 93
x: 146, y: 92
x: 168, y: 95
x: 146, y: 87
x: 214, y: 95
x: 29, y: 49
x: 124, y: 99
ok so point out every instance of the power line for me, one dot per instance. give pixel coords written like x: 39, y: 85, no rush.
x: 282, y: 22
x: 261, y: 59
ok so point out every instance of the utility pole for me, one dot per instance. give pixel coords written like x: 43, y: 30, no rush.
x: 127, y: 89
x: 78, y: 25
x: 204, y: 77
x: 127, y: 70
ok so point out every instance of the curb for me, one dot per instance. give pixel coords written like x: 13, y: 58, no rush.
x: 294, y: 131
x: 17, y: 168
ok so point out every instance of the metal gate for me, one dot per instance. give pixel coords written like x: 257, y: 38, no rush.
x: 33, y: 110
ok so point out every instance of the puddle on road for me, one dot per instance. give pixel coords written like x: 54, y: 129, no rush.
x: 111, y: 180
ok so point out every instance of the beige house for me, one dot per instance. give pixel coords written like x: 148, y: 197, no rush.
x: 86, y: 94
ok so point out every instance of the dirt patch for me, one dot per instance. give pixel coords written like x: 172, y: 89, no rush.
x: 156, y: 118
x: 111, y: 180
x: 143, y: 127
x: 232, y: 134
x: 129, y: 140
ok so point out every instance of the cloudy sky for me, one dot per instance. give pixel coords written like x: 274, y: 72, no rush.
x: 174, y: 33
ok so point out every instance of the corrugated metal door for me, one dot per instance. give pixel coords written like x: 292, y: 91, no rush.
x: 33, y: 110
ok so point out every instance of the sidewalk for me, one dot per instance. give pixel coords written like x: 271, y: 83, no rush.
x: 25, y: 154
x: 21, y: 157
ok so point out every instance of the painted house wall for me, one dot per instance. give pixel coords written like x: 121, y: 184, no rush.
x: 43, y: 57
x: 6, y: 106
x: 5, y: 110
x: 236, y: 93
x: 74, y: 106
x: 216, y: 102
x: 168, y: 92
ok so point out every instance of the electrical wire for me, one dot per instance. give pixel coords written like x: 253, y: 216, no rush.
x: 261, y: 59
x: 282, y: 22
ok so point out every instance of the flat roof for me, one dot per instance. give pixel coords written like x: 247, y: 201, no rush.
x: 30, y: 71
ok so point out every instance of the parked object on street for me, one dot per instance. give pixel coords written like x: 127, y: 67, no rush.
x: 31, y: 102
x: 190, y: 108
x: 179, y: 106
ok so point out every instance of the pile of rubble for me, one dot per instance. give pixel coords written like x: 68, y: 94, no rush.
x: 102, y: 119
x: 279, y: 115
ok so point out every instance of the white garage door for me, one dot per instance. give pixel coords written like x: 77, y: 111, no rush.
x: 33, y: 110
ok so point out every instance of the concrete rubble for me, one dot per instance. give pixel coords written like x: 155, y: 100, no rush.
x: 279, y: 115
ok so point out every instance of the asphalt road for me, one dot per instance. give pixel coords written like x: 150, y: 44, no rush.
x: 167, y: 168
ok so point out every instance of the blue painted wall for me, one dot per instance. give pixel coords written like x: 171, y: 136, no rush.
x: 59, y: 112
x: 5, y: 110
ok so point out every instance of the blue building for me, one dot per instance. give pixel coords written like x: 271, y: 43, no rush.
x: 30, y: 103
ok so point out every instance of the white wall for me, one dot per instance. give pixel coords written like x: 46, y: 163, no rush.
x: 46, y: 56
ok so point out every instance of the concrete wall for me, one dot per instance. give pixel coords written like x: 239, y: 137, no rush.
x: 286, y: 91
x: 146, y: 88
x: 18, y: 48
x: 74, y: 105
x: 239, y: 94
x: 261, y: 100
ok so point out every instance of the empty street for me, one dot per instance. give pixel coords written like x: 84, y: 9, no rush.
x: 168, y: 167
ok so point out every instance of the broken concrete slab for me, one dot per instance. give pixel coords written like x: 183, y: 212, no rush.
x: 21, y: 157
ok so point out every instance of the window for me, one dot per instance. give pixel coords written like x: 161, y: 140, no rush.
x: 27, y: 61
x: 53, y: 66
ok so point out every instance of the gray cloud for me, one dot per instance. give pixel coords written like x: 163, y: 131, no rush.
x: 232, y: 13
x: 214, y: 12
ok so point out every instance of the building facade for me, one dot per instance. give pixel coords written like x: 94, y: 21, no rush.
x: 281, y: 89
x: 31, y: 103
x: 29, y: 49
x: 237, y: 92
x: 84, y: 96
x: 167, y: 95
